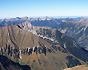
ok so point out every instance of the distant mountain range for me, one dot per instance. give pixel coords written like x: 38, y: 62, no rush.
x: 77, y: 30
x: 41, y: 48
x: 46, y: 21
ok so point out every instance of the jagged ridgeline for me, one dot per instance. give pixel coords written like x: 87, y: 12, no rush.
x: 42, y: 48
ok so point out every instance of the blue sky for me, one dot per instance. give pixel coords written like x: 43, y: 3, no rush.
x: 38, y: 8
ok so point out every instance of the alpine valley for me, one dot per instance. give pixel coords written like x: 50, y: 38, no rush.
x: 38, y: 44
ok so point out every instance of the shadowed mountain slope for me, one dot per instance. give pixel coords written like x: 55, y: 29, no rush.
x: 7, y: 64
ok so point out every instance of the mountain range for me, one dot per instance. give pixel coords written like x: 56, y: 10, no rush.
x: 41, y: 48
x: 77, y: 30
x: 45, y: 21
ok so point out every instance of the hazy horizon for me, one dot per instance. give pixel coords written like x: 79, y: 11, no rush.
x: 47, y: 16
